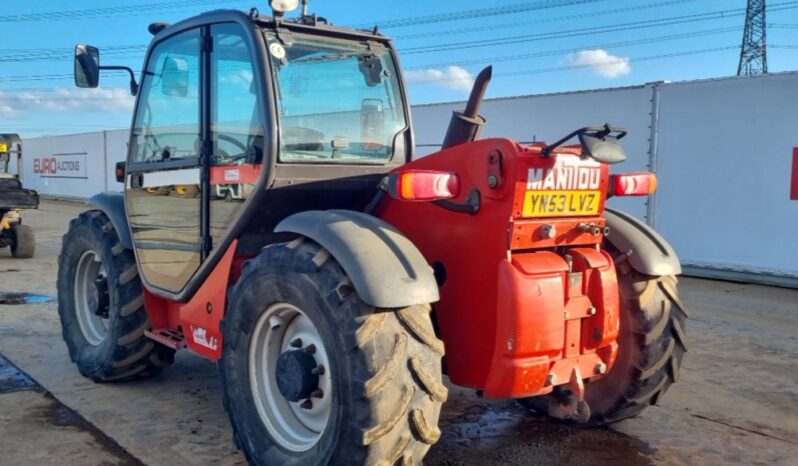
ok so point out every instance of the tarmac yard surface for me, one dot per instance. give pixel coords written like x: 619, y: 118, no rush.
x: 736, y: 401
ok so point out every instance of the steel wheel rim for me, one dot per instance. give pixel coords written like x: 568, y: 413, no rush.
x: 293, y: 427
x: 93, y: 327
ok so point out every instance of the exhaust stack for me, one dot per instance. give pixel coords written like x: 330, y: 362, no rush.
x: 466, y: 125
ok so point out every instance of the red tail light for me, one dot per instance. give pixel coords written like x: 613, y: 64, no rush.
x: 633, y: 184
x: 423, y: 185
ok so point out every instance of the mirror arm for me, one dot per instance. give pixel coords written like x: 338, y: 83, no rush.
x: 134, y: 86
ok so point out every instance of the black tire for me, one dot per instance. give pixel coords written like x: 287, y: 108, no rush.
x: 651, y: 345
x: 125, y: 353
x: 23, y: 242
x: 386, y: 364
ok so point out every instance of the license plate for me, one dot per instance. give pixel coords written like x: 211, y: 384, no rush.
x: 561, y: 203
x: 3, y: 147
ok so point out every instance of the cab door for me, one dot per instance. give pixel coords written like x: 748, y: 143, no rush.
x: 163, y: 189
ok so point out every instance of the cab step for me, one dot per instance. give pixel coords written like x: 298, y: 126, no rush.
x: 167, y: 337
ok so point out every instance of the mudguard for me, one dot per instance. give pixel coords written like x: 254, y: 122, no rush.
x: 386, y: 269
x: 650, y: 253
x: 113, y: 205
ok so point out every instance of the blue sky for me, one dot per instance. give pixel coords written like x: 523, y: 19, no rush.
x: 547, y: 46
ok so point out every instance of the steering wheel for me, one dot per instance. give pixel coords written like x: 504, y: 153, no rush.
x: 234, y: 141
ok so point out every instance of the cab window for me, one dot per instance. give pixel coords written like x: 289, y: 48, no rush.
x: 167, y: 125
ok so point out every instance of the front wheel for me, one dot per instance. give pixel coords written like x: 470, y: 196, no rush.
x: 314, y: 376
x: 651, y: 345
x: 101, y: 304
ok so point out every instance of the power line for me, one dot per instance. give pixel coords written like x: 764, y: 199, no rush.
x: 126, y: 10
x: 497, y: 75
x: 19, y: 55
x: 547, y: 53
x: 475, y: 13
x: 63, y: 54
x: 492, y: 27
x: 36, y: 54
x: 47, y: 77
x: 669, y: 21
x: 493, y: 59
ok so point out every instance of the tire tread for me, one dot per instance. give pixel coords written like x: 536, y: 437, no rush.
x: 132, y: 355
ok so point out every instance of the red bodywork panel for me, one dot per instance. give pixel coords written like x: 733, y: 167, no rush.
x: 511, y: 314
x: 197, y: 323
x: 235, y: 174
x: 529, y: 300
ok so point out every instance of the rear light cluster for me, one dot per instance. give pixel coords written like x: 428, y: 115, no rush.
x: 423, y: 185
x: 633, y: 184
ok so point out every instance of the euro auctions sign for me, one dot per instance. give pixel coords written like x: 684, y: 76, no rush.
x: 70, y: 165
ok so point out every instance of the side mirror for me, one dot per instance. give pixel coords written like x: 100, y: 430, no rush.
x: 372, y: 124
x: 604, y: 149
x: 87, y: 66
x: 174, y: 77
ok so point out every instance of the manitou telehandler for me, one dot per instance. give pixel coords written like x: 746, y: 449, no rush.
x: 349, y: 277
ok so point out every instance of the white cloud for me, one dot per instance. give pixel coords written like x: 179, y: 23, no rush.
x: 452, y: 77
x: 600, y: 62
x: 61, y: 100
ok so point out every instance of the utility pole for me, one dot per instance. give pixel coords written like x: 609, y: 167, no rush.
x: 753, y: 53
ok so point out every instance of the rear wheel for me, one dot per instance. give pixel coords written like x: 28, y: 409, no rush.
x: 651, y: 345
x: 101, y: 304
x: 313, y: 375
x: 23, y: 242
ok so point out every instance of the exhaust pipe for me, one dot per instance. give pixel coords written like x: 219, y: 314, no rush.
x: 466, y: 125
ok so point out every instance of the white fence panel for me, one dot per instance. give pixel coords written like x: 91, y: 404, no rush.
x: 725, y: 152
x: 65, y: 166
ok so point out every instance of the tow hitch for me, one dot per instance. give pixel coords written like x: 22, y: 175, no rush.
x: 568, y: 402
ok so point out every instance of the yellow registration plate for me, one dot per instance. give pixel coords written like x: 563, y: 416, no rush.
x: 3, y: 147
x: 561, y: 203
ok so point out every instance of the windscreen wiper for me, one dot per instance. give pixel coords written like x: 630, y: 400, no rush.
x: 331, y: 57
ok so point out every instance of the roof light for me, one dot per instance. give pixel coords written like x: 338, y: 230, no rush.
x: 281, y: 7
x: 633, y: 184
x: 423, y: 185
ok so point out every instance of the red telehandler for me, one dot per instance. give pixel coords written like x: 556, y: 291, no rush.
x: 348, y: 278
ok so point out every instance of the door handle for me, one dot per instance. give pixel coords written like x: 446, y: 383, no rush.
x: 136, y: 180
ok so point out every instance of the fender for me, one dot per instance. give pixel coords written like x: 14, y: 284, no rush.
x: 113, y: 205
x: 385, y: 267
x: 651, y: 254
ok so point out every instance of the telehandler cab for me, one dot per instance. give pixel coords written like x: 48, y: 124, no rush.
x: 346, y: 272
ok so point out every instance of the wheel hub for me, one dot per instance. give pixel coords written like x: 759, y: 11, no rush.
x: 99, y: 299
x: 291, y: 379
x: 92, y: 301
x: 295, y: 378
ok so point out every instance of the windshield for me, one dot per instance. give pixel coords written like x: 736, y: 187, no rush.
x: 338, y: 102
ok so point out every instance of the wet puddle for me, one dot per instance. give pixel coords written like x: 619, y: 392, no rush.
x: 479, y: 432
x: 23, y: 298
x: 13, y: 379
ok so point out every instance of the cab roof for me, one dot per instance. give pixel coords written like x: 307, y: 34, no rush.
x: 310, y: 24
